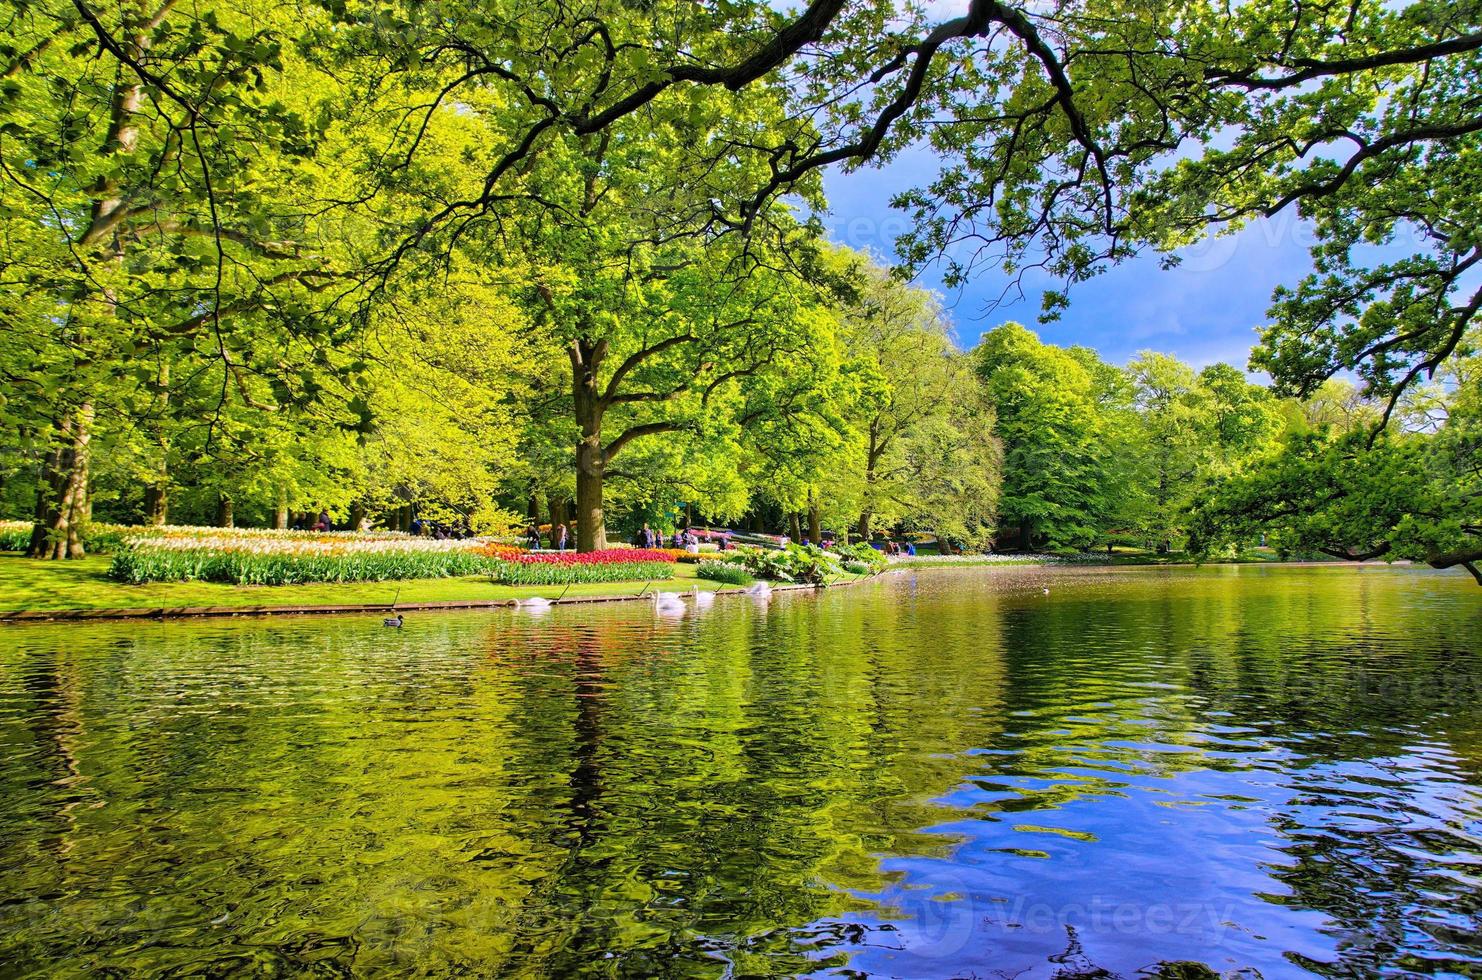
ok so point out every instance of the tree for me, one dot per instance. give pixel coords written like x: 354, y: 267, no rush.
x: 1056, y: 480
x: 1173, y: 419
x: 898, y: 336
x: 1410, y: 495
x: 148, y: 158
x: 955, y: 464
x: 658, y: 317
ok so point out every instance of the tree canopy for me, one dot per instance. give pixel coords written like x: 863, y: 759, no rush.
x: 472, y: 259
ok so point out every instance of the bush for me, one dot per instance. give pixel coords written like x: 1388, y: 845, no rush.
x: 862, y: 554
x: 795, y: 563
x: 721, y: 571
x: 858, y: 568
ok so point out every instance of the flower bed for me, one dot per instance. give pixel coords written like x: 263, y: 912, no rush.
x: 283, y: 563
x: 102, y: 537
x: 569, y: 567
x: 15, y: 535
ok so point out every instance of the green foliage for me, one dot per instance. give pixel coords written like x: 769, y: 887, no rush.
x: 724, y: 571
x: 861, y: 553
x: 142, y: 563
x: 1408, y: 495
x: 1058, y: 486
x: 99, y: 538
x: 795, y: 563
x: 15, y: 536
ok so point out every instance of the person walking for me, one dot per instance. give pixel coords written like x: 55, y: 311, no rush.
x: 558, y: 537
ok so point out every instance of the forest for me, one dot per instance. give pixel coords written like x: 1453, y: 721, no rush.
x: 564, y: 261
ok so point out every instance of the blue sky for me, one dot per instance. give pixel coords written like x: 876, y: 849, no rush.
x: 1204, y: 311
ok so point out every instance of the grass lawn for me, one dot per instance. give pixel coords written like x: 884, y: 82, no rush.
x: 1139, y: 556
x: 84, y: 584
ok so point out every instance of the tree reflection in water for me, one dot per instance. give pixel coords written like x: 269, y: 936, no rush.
x: 1174, y: 773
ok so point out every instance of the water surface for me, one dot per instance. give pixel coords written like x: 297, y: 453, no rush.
x: 1246, y: 771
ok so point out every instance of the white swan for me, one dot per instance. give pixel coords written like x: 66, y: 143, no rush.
x: 702, y: 597
x: 534, y: 602
x: 761, y: 590
x: 668, y: 603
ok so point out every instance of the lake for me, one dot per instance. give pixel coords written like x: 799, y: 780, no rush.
x: 1249, y: 771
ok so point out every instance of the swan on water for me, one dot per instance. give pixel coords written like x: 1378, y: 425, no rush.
x: 761, y: 590
x: 534, y: 602
x: 702, y: 597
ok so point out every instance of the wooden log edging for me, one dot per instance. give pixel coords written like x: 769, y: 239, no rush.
x: 200, y: 612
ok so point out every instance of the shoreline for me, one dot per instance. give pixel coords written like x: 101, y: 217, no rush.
x: 158, y: 612
x: 161, y: 613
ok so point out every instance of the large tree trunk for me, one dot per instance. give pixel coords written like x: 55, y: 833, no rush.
x: 157, y: 501
x: 591, y: 526
x: 558, y: 514
x: 157, y: 491
x: 62, y: 496
x: 863, y: 530
x: 357, y: 515
x: 280, y: 513
x: 815, y: 526
x: 224, y: 514
x: 591, y: 461
x: 795, y: 528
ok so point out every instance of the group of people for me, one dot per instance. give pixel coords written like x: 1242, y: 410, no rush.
x: 312, y: 523
x: 560, y: 538
x: 438, y: 530
x: 684, y: 538
x: 898, y: 548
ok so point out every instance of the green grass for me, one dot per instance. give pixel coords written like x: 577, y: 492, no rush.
x: 1137, y: 556
x: 26, y: 584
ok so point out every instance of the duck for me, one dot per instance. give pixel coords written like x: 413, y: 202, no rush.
x: 702, y: 598
x: 394, y: 621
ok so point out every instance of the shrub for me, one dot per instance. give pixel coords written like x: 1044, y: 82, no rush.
x: 721, y: 571
x: 858, y: 568
x: 861, y: 553
x: 795, y: 563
